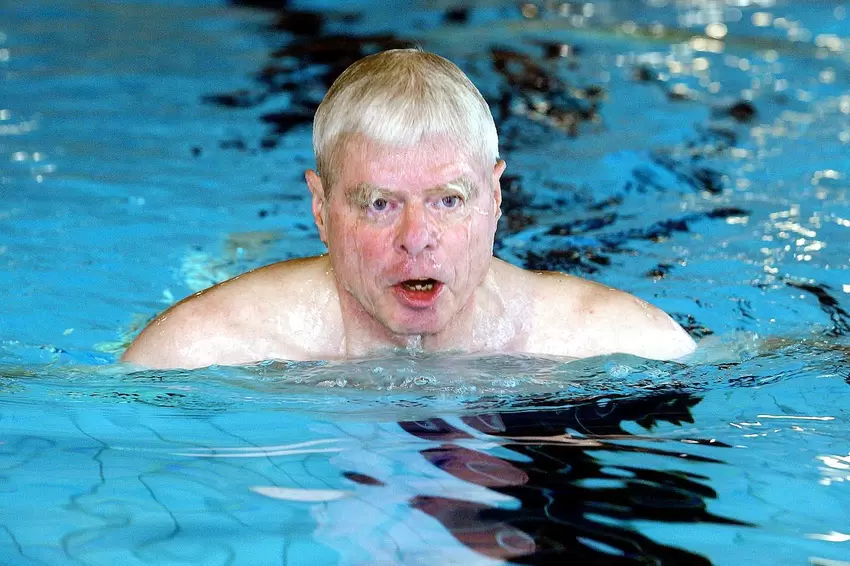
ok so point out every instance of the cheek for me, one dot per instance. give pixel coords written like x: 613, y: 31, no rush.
x: 476, y: 231
x: 468, y: 233
x: 371, y: 249
x: 361, y: 244
x: 478, y: 242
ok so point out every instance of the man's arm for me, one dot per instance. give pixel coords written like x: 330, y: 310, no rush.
x: 581, y: 318
x: 181, y: 337
x: 633, y: 326
x: 256, y: 316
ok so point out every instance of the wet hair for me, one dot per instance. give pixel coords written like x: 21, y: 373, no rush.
x: 398, y: 98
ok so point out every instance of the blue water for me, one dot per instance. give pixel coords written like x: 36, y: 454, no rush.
x: 150, y: 149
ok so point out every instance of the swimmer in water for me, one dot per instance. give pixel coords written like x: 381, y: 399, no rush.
x: 406, y: 197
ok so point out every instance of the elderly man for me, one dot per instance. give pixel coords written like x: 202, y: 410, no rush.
x: 406, y: 198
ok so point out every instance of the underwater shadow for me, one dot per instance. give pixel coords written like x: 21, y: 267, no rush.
x: 573, y: 505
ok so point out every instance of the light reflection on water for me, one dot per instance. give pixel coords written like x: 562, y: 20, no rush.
x: 507, y: 471
x: 415, y: 382
x: 693, y: 153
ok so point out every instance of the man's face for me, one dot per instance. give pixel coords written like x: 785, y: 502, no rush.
x: 409, y: 230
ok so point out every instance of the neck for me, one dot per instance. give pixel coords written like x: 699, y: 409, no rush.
x: 364, y: 335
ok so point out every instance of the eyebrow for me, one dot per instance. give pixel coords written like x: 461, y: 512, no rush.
x: 365, y: 193
x: 464, y: 185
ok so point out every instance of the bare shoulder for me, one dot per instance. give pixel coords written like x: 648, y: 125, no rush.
x: 272, y: 312
x: 582, y: 318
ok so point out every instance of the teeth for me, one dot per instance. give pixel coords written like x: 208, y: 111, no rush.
x: 419, y: 286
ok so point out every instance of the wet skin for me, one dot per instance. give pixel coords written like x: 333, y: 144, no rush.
x: 410, y: 235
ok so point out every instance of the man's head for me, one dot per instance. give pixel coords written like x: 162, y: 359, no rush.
x: 408, y: 197
x: 398, y: 98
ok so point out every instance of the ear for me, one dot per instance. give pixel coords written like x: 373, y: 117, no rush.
x: 317, y: 192
x: 497, y: 185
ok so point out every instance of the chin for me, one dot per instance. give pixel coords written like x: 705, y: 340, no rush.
x: 418, y: 323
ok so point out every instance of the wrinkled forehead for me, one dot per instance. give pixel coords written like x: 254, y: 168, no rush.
x: 436, y: 159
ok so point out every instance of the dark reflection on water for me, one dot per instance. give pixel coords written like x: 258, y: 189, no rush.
x: 573, y: 505
x: 302, y: 68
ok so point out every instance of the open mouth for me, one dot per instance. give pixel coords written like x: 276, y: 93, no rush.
x: 418, y: 293
x: 419, y: 284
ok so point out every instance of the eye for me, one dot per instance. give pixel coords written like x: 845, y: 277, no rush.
x: 450, y: 201
x: 379, y: 204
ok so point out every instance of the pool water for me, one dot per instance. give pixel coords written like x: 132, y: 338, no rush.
x: 692, y: 153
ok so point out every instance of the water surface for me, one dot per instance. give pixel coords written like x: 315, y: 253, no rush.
x: 694, y: 154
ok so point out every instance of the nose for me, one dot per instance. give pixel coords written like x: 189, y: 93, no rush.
x: 415, y: 232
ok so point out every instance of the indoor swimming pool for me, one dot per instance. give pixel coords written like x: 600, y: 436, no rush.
x: 695, y: 153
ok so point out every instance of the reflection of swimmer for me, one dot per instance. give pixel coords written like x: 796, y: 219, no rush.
x: 573, y: 504
x: 407, y: 199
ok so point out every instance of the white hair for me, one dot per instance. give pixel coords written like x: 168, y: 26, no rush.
x: 398, y: 98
